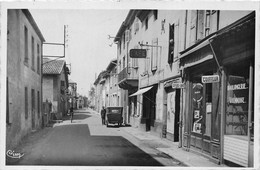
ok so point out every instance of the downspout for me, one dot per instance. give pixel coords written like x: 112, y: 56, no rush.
x: 182, y: 90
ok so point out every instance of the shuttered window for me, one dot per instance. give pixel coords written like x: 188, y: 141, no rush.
x: 26, y: 102
x: 26, y: 58
x: 193, y: 27
x: 171, y: 44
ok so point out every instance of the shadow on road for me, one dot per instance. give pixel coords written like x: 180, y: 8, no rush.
x: 73, y: 145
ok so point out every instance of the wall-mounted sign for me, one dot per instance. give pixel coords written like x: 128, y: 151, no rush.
x: 138, y: 53
x: 210, y: 79
x: 177, y: 85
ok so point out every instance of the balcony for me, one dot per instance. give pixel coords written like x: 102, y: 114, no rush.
x: 128, y: 78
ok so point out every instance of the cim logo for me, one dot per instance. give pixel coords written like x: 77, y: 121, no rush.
x: 12, y: 154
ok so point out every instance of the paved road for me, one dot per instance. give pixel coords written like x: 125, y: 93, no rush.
x: 85, y: 142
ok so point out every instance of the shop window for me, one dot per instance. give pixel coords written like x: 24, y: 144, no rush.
x: 208, y: 113
x: 197, y: 98
x: 237, y: 100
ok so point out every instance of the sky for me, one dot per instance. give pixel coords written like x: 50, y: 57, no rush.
x: 88, y: 49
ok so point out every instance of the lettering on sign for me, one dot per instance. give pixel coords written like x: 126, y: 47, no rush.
x: 177, y: 85
x: 138, y: 53
x: 210, y: 79
x: 236, y: 100
x: 237, y: 87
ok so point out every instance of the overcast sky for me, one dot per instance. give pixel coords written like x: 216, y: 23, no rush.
x: 88, y: 48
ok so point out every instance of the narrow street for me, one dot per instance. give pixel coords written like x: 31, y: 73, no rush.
x: 85, y: 142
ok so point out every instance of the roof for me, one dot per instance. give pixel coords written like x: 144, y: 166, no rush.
x: 52, y: 66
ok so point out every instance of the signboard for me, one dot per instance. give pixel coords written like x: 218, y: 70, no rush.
x: 177, y: 85
x: 138, y: 53
x: 210, y: 79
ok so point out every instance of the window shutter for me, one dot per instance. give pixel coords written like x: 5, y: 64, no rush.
x: 193, y: 27
x: 154, y: 54
x: 171, y: 44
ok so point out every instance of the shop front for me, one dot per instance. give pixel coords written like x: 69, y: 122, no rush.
x: 202, y: 103
x: 219, y: 94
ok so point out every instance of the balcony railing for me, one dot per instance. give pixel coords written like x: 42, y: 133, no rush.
x: 128, y: 74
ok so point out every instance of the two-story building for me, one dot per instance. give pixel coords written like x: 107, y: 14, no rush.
x: 24, y: 76
x: 55, y: 85
x: 100, y: 91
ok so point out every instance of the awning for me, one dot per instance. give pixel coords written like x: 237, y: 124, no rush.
x: 141, y: 91
x: 196, y: 61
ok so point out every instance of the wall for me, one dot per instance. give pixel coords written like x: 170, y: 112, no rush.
x: 20, y: 76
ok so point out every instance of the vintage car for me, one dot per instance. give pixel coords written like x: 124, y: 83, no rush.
x: 114, y: 115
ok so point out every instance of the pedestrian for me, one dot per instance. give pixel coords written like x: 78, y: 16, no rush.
x: 103, y: 115
x: 71, y: 113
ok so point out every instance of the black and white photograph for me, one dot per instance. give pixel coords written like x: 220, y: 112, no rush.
x: 129, y: 84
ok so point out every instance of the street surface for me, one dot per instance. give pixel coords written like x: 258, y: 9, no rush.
x: 85, y: 142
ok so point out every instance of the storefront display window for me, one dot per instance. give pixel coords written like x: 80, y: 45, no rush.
x: 237, y: 100
x: 197, y: 99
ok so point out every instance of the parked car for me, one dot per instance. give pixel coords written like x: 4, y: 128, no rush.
x: 114, y: 115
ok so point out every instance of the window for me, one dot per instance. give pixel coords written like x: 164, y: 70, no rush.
x: 38, y: 58
x: 207, y: 23
x: 119, y: 46
x: 123, y: 41
x: 193, y: 27
x: 237, y: 100
x: 154, y: 54
x: 146, y: 23
x: 26, y: 58
x: 33, y: 100
x: 136, y: 25
x: 171, y: 44
x: 26, y: 102
x: 62, y: 87
x: 38, y: 104
x: 33, y: 68
x: 155, y: 13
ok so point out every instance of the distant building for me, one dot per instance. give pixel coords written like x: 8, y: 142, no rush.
x: 72, y: 91
x: 24, y: 76
x: 55, y: 85
x: 100, y: 91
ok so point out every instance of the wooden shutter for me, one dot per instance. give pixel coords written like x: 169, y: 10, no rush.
x: 193, y: 27
x: 171, y: 45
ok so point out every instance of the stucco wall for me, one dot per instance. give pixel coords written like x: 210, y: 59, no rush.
x: 21, y: 76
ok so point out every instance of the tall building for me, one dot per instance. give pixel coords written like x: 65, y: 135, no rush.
x: 24, y: 76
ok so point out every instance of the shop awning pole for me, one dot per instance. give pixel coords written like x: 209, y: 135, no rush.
x: 214, y: 55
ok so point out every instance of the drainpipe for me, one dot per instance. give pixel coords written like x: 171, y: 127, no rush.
x: 250, y: 96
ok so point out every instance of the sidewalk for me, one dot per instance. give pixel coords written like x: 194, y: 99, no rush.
x: 189, y: 158
x: 170, y: 148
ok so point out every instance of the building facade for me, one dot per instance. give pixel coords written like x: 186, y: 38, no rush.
x: 195, y: 85
x: 55, y: 85
x: 72, y: 92
x: 24, y: 76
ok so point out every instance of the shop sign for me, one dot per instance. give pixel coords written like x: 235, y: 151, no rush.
x: 210, y: 79
x: 138, y: 53
x: 177, y: 85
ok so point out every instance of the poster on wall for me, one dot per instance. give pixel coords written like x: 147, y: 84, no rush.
x: 170, y: 111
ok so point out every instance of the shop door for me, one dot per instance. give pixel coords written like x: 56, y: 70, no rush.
x: 201, y: 115
x: 33, y: 108
x: 173, y: 115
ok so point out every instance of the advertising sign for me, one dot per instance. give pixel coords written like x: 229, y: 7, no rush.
x: 177, y: 85
x: 138, y: 53
x: 210, y: 79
